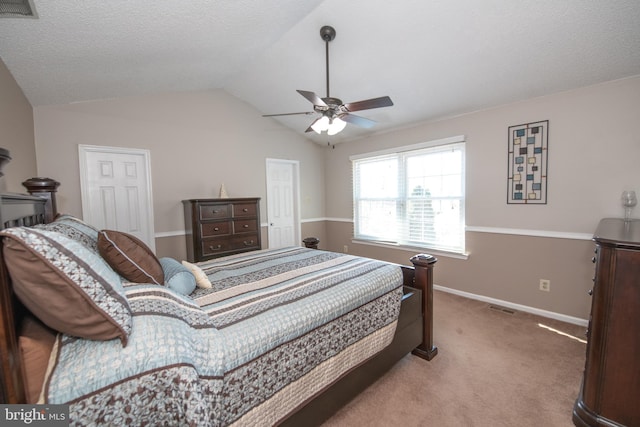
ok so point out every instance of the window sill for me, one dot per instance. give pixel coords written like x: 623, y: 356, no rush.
x: 436, y: 252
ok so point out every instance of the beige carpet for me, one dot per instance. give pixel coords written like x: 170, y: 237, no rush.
x: 492, y: 369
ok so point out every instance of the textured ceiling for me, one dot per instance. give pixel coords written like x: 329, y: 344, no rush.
x: 434, y: 58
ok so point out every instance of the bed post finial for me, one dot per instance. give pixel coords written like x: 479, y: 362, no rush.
x: 423, y: 264
x: 45, y: 188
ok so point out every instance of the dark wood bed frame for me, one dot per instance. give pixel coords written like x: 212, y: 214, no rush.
x: 414, y: 333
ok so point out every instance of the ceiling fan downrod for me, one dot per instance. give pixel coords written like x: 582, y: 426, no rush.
x: 327, y: 33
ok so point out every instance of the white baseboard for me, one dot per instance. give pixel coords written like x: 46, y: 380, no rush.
x: 519, y: 307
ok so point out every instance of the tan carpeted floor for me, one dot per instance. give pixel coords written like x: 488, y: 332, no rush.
x: 492, y: 369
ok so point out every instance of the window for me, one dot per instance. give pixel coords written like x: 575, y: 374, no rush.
x: 413, y: 196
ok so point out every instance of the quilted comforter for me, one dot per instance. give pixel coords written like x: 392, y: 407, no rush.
x: 276, y: 328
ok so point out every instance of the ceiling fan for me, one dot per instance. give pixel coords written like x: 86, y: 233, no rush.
x: 334, y: 114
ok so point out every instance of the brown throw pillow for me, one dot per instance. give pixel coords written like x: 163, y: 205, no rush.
x: 130, y: 257
x: 36, y: 342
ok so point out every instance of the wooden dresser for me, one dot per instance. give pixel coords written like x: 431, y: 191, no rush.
x: 610, y: 393
x: 219, y: 227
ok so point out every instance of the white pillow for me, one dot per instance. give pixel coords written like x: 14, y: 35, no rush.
x: 202, y: 281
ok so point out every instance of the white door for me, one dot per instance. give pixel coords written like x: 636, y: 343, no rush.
x: 116, y: 190
x: 283, y: 203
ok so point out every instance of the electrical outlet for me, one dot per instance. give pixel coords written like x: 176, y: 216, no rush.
x: 345, y: 249
x: 545, y: 285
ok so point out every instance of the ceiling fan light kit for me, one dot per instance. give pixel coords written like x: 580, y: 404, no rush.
x: 332, y: 126
x: 334, y: 114
x: 336, y: 125
x: 321, y: 124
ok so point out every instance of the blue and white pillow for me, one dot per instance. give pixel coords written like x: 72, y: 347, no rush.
x: 177, y: 277
x: 66, y: 285
x: 75, y: 229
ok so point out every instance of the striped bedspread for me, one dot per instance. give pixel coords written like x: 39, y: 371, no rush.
x: 276, y: 328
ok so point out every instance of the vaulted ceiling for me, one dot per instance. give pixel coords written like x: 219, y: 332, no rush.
x: 434, y: 58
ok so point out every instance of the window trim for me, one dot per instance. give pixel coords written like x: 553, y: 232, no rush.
x: 459, y: 139
x: 414, y: 249
x: 396, y: 150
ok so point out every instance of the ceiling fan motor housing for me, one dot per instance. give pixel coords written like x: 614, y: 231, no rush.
x: 332, y: 109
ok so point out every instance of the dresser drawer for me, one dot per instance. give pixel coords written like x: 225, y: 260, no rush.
x: 244, y: 209
x: 220, y: 246
x: 215, y: 228
x: 217, y: 211
x: 249, y: 241
x: 215, y: 246
x: 245, y: 226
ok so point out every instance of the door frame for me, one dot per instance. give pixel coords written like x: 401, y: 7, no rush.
x: 296, y: 198
x: 84, y: 149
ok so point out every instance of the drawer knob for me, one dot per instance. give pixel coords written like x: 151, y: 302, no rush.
x: 215, y: 248
x: 246, y: 226
x: 245, y: 210
x: 216, y: 229
x: 215, y: 211
x: 249, y: 243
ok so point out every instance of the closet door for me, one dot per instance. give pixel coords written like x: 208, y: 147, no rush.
x: 116, y: 190
x: 282, y: 203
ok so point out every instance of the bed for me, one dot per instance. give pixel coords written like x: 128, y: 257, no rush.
x: 281, y: 337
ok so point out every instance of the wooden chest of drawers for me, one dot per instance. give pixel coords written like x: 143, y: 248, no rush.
x: 610, y: 390
x: 219, y: 227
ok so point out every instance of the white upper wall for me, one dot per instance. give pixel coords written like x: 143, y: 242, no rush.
x: 594, y: 149
x: 197, y: 140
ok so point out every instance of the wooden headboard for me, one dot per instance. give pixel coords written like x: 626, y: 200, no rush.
x: 15, y: 210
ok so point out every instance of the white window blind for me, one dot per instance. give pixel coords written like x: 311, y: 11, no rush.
x: 412, y: 197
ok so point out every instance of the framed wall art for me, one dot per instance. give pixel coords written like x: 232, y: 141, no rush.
x: 528, y: 163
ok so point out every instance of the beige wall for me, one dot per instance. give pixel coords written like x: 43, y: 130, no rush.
x: 16, y: 134
x: 502, y: 266
x: 197, y: 140
x: 593, y: 155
